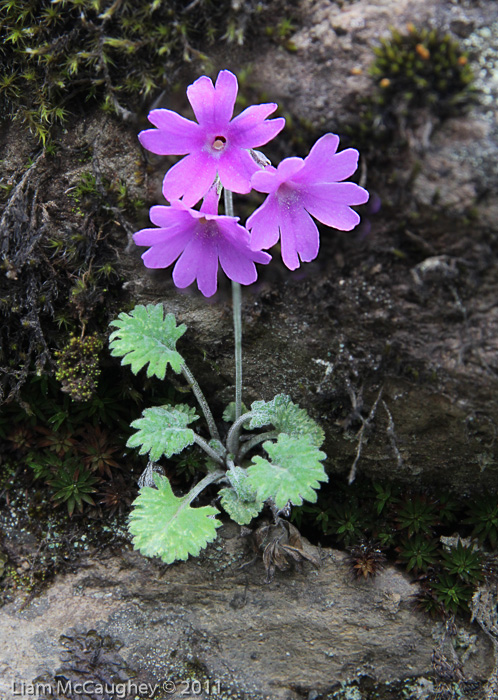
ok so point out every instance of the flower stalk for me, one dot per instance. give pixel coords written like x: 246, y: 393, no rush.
x: 237, y: 330
x: 237, y: 320
x: 213, y: 430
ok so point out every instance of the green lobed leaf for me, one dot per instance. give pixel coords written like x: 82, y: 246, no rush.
x: 146, y: 336
x: 239, y: 482
x: 293, y: 473
x: 240, y: 500
x: 287, y: 418
x: 230, y: 411
x: 162, y: 430
x: 238, y: 509
x: 166, y: 526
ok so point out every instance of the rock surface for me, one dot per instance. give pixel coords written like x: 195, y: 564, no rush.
x: 328, y: 71
x: 304, y: 633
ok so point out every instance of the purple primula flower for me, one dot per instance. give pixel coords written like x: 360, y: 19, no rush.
x: 199, y: 239
x: 298, y: 188
x: 218, y: 144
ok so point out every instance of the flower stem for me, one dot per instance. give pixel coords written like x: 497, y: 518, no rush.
x: 237, y: 321
x: 237, y: 328
x: 202, y: 401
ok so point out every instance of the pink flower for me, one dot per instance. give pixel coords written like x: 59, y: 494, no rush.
x: 218, y: 144
x: 199, y: 239
x: 298, y: 188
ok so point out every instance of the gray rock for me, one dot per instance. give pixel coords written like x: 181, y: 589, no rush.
x: 321, y: 80
x: 306, y: 631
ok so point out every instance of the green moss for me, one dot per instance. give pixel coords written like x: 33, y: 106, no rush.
x: 422, y: 68
x: 61, y: 269
x: 72, y: 484
x: 119, y: 53
x: 416, y: 72
x: 483, y: 516
x: 75, y: 441
x: 78, y: 366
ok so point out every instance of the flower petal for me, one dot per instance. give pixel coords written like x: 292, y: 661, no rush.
x: 264, y: 224
x: 341, y: 192
x: 269, y: 179
x: 155, y: 236
x: 322, y: 151
x: 343, y: 218
x: 323, y: 164
x: 185, y: 270
x: 213, y: 105
x: 207, y: 271
x: 190, y: 178
x: 236, y: 258
x: 147, y: 236
x: 288, y: 242
x: 330, y: 203
x: 238, y: 238
x: 175, y: 135
x: 288, y: 168
x: 265, y: 180
x: 199, y: 260
x: 166, y: 217
x: 211, y: 202
x: 226, y: 93
x: 343, y: 164
x: 165, y: 252
x: 251, y: 129
x: 299, y: 236
x: 235, y: 169
x: 201, y: 96
x: 237, y: 267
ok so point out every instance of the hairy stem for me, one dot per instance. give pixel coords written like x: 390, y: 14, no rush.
x: 203, y: 483
x: 237, y: 321
x: 213, y: 430
x: 269, y: 435
x: 237, y: 329
x: 232, y: 442
x: 208, y: 449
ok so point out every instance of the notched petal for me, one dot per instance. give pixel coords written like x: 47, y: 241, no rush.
x: 191, y: 178
x: 251, y: 129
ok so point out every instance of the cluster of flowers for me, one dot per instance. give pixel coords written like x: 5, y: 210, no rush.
x: 219, y: 152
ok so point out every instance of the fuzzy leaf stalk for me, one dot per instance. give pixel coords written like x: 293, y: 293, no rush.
x: 286, y: 464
